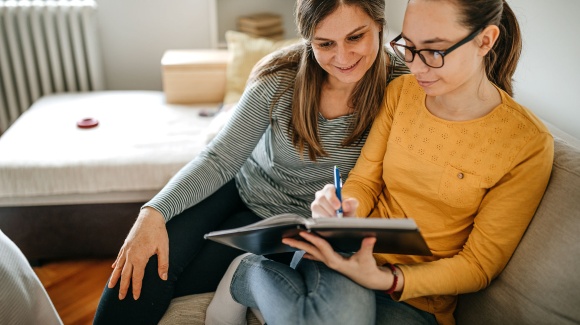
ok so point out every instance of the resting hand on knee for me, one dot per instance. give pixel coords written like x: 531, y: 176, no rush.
x: 147, y: 237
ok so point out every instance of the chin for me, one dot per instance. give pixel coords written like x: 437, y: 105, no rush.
x: 431, y: 92
x: 354, y: 78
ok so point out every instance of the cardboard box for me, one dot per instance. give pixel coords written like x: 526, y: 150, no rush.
x: 194, y: 76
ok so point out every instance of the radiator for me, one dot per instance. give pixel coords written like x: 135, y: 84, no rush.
x: 46, y: 47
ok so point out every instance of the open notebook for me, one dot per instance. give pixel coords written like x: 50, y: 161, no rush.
x: 394, y: 236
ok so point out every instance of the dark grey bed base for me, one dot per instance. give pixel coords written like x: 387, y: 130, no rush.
x: 69, y: 231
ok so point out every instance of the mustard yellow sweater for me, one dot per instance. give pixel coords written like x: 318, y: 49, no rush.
x: 471, y: 186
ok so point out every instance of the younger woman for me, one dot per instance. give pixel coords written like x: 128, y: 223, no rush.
x: 450, y: 149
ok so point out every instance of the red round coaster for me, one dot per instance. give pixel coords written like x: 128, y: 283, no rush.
x: 87, y: 123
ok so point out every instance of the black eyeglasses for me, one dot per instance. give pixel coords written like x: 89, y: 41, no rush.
x: 432, y: 58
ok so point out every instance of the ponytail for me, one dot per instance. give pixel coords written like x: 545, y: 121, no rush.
x: 502, y: 60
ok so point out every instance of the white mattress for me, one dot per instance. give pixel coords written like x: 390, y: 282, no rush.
x: 139, y: 144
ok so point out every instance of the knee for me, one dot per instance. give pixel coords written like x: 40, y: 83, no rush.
x: 342, y: 301
x: 357, y: 306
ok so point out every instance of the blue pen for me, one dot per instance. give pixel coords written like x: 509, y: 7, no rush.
x: 338, y: 187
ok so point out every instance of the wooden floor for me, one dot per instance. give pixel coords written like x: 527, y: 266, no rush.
x: 75, y: 287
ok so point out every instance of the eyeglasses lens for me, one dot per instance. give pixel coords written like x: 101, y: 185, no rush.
x: 431, y: 58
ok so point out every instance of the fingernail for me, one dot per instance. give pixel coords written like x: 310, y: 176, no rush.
x: 164, y: 276
x: 121, y: 297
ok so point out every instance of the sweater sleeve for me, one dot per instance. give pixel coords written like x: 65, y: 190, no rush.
x: 500, y: 222
x: 219, y: 162
x: 365, y: 181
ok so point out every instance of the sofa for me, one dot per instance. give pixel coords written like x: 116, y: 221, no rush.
x: 540, y: 284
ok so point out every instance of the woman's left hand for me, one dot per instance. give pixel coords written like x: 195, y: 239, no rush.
x: 360, y: 267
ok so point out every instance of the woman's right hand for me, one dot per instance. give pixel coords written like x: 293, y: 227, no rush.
x: 147, y: 237
x: 326, y: 203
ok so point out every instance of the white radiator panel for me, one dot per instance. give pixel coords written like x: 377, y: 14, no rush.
x: 46, y: 47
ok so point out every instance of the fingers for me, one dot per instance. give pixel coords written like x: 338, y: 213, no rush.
x: 119, y: 255
x: 125, y: 280
x: 147, y: 237
x: 117, y: 268
x: 137, y: 280
x: 349, y: 207
x: 325, y: 202
x: 298, y: 244
x: 163, y: 262
x: 315, y: 247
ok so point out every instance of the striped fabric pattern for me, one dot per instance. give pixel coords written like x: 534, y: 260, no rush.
x: 23, y: 299
x: 270, y: 175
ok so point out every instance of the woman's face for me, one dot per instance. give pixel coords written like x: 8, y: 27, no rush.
x: 434, y: 25
x: 346, y: 43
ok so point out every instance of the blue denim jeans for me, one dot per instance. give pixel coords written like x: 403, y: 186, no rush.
x: 311, y: 293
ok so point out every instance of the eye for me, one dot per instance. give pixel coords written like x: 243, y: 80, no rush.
x: 355, y: 37
x: 324, y: 45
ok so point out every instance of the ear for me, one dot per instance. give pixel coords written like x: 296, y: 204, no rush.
x: 488, y: 37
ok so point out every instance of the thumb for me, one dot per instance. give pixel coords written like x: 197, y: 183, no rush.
x: 349, y: 207
x: 367, y: 245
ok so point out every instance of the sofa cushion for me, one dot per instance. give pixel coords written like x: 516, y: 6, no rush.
x: 540, y: 284
x: 191, y: 310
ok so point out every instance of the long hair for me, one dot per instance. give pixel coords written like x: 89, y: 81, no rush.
x: 366, y: 97
x: 502, y: 59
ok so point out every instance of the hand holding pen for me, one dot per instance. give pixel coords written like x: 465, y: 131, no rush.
x: 328, y: 202
x: 338, y: 189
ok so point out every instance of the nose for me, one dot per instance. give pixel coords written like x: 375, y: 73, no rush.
x: 417, y: 66
x: 342, y: 51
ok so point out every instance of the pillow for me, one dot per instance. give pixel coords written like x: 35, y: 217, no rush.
x: 246, y: 51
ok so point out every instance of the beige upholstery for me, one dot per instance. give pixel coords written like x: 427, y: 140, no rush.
x: 191, y: 310
x: 540, y: 285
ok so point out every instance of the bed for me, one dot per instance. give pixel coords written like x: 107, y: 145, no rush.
x: 69, y: 192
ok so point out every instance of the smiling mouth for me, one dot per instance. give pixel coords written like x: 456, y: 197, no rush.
x: 349, y: 67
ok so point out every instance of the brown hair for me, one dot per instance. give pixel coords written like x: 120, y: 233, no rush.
x: 366, y: 97
x: 502, y: 59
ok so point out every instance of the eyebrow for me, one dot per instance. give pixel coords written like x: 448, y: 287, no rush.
x: 428, y: 41
x: 349, y: 34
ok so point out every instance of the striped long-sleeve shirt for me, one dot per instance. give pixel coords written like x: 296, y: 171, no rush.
x: 256, y: 149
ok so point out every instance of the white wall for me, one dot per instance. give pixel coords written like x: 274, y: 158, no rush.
x: 135, y: 33
x: 547, y: 79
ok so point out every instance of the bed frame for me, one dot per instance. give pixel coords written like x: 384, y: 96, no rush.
x: 69, y: 231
